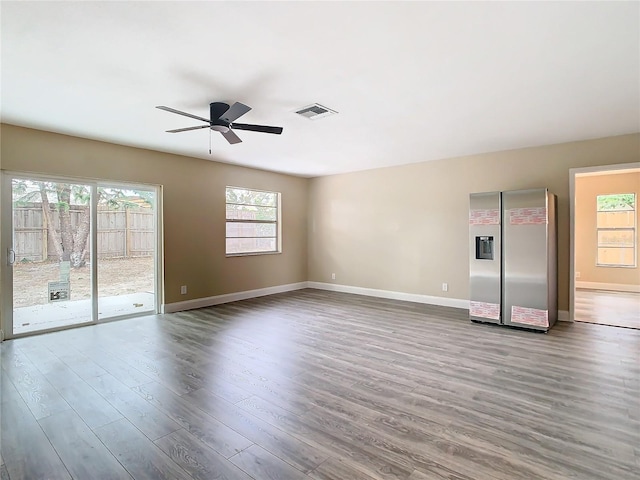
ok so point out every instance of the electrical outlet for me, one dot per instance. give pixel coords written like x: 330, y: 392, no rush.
x: 445, y: 287
x: 183, y: 290
x: 333, y: 276
x: 577, y: 274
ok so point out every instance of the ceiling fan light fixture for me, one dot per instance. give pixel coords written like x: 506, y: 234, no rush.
x: 220, y: 128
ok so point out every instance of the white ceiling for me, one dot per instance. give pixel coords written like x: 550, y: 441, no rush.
x: 412, y: 81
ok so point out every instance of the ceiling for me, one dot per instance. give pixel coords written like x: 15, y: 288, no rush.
x: 412, y: 81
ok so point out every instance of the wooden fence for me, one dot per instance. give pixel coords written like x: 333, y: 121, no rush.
x: 127, y: 232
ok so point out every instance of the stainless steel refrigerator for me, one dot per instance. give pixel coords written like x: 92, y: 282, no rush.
x: 513, y: 258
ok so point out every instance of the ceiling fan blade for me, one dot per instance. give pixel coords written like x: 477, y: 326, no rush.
x: 231, y: 137
x: 173, y: 110
x: 187, y: 129
x: 236, y: 111
x: 257, y: 128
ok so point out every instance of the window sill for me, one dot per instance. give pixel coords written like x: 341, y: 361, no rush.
x: 250, y: 254
x: 615, y: 266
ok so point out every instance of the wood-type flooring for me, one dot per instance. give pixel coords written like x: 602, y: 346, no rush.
x: 620, y: 309
x: 321, y: 385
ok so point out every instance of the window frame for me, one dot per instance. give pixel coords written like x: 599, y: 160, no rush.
x: 633, y: 229
x: 277, y: 222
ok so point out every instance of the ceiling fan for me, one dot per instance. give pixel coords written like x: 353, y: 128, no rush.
x: 222, y: 120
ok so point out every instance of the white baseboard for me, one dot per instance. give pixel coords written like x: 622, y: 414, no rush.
x: 563, y: 316
x: 616, y: 287
x: 408, y: 297
x: 230, y: 297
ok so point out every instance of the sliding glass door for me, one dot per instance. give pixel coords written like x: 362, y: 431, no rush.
x: 50, y: 256
x: 126, y: 251
x: 77, y: 252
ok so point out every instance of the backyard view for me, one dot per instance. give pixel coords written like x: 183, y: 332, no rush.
x: 52, y: 238
x: 117, y: 276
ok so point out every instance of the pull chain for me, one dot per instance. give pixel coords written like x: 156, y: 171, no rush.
x: 209, y: 141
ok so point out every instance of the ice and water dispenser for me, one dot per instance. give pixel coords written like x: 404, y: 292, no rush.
x: 484, y: 248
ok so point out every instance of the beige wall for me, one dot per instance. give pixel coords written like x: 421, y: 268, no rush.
x: 194, y: 243
x: 405, y: 229
x: 401, y: 229
x: 587, y: 189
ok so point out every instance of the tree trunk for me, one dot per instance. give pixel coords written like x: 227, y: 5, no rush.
x: 66, y: 234
x: 80, y: 240
x: 51, y: 228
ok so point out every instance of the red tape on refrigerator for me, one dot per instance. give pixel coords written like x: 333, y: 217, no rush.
x: 484, y: 216
x: 485, y: 310
x: 529, y: 316
x: 528, y: 216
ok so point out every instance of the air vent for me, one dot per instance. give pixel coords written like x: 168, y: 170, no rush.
x: 315, y: 111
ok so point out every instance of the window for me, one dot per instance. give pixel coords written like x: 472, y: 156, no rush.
x: 616, y: 225
x: 253, y: 221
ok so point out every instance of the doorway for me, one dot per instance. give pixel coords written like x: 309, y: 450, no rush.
x: 78, y: 252
x: 605, y: 278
